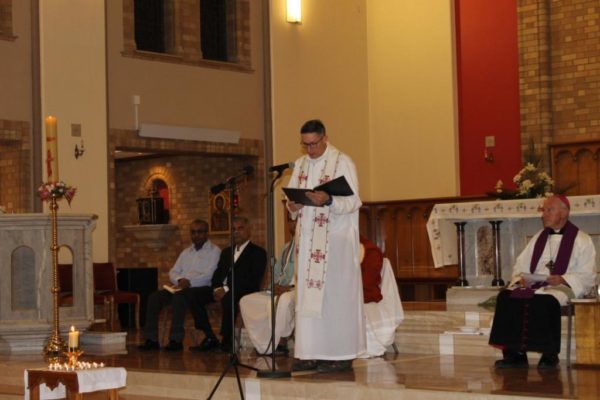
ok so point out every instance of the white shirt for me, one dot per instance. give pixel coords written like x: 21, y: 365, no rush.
x: 197, y: 266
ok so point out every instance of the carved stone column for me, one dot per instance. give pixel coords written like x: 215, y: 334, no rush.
x: 497, y: 261
x: 460, y: 238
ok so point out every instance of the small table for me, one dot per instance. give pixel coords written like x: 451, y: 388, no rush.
x: 49, y: 384
x: 587, y: 331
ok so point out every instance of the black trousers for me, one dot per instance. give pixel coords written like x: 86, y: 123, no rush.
x: 204, y: 297
x: 180, y: 302
x: 526, y: 324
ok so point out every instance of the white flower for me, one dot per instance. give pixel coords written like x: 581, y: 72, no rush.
x: 517, y: 178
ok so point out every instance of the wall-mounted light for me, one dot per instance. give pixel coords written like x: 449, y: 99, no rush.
x: 488, y: 153
x: 79, y: 150
x: 294, y: 11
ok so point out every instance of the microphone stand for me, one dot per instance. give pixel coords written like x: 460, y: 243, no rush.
x: 234, y: 360
x: 272, y: 373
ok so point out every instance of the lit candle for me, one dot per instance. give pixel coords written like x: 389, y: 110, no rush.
x: 73, y: 338
x: 51, y: 149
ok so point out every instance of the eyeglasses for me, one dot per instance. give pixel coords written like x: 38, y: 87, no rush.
x: 313, y: 144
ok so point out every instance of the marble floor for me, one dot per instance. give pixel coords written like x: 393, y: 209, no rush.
x: 186, y: 375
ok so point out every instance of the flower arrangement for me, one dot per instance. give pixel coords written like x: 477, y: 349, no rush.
x: 531, y: 181
x: 57, y: 190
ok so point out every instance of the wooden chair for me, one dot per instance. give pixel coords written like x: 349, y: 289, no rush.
x: 106, y: 292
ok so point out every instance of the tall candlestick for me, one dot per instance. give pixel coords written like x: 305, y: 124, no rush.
x: 73, y: 338
x: 51, y: 149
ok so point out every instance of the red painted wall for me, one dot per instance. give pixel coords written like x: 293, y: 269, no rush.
x: 488, y: 92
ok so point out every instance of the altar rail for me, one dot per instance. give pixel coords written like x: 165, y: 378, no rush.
x: 399, y: 229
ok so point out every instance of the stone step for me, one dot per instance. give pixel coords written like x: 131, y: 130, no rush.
x: 439, y: 332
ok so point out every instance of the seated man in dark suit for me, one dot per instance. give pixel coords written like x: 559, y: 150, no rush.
x: 249, y: 266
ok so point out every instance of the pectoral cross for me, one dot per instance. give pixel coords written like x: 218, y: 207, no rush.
x: 550, y: 266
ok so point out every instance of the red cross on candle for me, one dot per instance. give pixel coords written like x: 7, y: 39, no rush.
x: 49, y: 160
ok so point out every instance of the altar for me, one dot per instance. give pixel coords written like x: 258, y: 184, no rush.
x: 26, y: 302
x: 464, y: 233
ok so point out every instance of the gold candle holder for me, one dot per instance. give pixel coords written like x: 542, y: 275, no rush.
x: 73, y: 355
x: 55, y: 344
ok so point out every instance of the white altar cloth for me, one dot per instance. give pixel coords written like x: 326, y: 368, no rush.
x: 443, y: 236
x: 90, y: 380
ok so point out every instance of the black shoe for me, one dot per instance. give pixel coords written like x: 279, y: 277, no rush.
x: 225, y: 347
x: 548, y: 361
x: 334, y: 366
x: 512, y: 360
x: 304, y: 365
x: 174, y: 346
x: 149, y: 345
x: 208, y: 344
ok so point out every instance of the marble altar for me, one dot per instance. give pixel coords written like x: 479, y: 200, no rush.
x: 520, y: 221
x: 26, y: 303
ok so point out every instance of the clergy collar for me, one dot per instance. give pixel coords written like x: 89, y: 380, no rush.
x: 556, y: 232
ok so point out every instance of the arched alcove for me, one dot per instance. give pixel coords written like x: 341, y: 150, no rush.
x: 23, y: 278
x: 159, y: 188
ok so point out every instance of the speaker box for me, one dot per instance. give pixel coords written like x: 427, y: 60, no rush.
x: 143, y: 281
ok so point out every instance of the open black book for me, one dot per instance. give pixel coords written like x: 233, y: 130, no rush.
x: 335, y: 187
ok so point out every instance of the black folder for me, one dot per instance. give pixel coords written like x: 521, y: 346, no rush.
x: 335, y: 187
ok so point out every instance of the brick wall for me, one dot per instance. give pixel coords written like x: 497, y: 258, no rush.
x: 559, y: 71
x: 189, y: 169
x: 15, y: 166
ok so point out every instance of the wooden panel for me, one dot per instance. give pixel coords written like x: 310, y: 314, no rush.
x: 422, y: 247
x: 399, y: 227
x: 587, y: 333
x: 587, y: 171
x: 403, y: 237
x: 576, y: 167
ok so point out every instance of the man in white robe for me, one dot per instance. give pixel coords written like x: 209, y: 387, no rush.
x: 330, y: 326
x: 256, y: 307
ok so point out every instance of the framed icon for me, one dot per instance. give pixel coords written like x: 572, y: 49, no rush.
x: 220, y: 212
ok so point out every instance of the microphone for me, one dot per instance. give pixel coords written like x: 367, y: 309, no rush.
x: 248, y: 170
x: 281, y: 167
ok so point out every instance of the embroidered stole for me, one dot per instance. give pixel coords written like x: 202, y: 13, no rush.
x: 315, y: 269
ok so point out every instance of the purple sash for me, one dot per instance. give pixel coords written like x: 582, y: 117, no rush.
x: 562, y: 258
